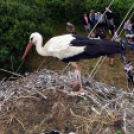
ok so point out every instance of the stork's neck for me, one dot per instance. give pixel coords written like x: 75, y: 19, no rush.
x: 40, y: 49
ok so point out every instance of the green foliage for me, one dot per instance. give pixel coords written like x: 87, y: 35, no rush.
x: 17, y: 22
x: 118, y: 132
x: 72, y: 10
x: 63, y: 11
x: 119, y: 8
x: 19, y: 18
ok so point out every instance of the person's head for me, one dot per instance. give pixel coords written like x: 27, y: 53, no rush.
x: 129, y: 62
x: 126, y: 31
x: 131, y: 36
x: 101, y: 32
x: 84, y: 14
x: 129, y: 21
x: 120, y: 40
x: 92, y: 11
x: 93, y: 35
x: 106, y: 8
x: 68, y: 23
x: 99, y: 13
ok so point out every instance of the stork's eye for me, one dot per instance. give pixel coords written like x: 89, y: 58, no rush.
x: 31, y: 38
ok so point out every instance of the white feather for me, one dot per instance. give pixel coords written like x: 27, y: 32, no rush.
x: 59, y: 47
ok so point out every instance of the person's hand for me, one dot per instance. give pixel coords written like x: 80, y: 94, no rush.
x: 106, y: 9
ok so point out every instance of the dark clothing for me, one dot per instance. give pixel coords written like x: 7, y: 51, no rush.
x: 101, y: 25
x: 101, y: 35
x: 129, y: 73
x: 93, y: 17
x: 97, y: 35
x: 111, y: 28
x: 123, y: 47
x: 109, y: 15
x: 130, y: 79
x: 110, y: 56
x: 84, y: 22
x: 130, y: 76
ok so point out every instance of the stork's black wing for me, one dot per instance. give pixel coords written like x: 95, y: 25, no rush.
x: 93, y: 48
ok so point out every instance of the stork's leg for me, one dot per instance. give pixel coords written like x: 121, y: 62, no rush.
x: 77, y: 79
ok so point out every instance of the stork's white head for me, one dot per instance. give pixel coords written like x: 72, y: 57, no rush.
x: 34, y: 38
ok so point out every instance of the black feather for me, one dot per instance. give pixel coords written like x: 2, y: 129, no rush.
x: 94, y: 48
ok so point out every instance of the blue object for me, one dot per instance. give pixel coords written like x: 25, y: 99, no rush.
x: 124, y: 42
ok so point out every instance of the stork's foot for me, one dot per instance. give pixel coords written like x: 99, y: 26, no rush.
x: 80, y: 91
x: 74, y: 84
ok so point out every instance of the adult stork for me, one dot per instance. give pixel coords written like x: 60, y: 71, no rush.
x: 72, y: 48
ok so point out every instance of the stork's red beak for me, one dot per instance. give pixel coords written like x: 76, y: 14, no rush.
x: 29, y: 45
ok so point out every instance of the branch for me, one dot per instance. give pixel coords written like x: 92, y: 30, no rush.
x: 11, y: 73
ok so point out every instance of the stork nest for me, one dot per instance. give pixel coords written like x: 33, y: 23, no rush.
x: 43, y: 101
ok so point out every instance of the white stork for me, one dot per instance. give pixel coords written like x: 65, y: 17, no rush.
x: 72, y: 48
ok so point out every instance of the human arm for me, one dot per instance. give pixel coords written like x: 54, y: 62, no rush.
x: 73, y: 28
x: 86, y: 20
x: 107, y: 9
x: 106, y: 16
x: 96, y: 17
x: 125, y: 26
x: 90, y: 16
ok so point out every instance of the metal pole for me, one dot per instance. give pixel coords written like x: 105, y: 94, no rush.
x: 100, y: 19
x: 124, y: 19
x: 111, y: 39
x: 122, y: 28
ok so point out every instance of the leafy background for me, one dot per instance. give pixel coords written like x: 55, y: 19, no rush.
x: 19, y: 18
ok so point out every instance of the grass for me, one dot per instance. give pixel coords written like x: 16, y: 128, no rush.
x: 114, y: 76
